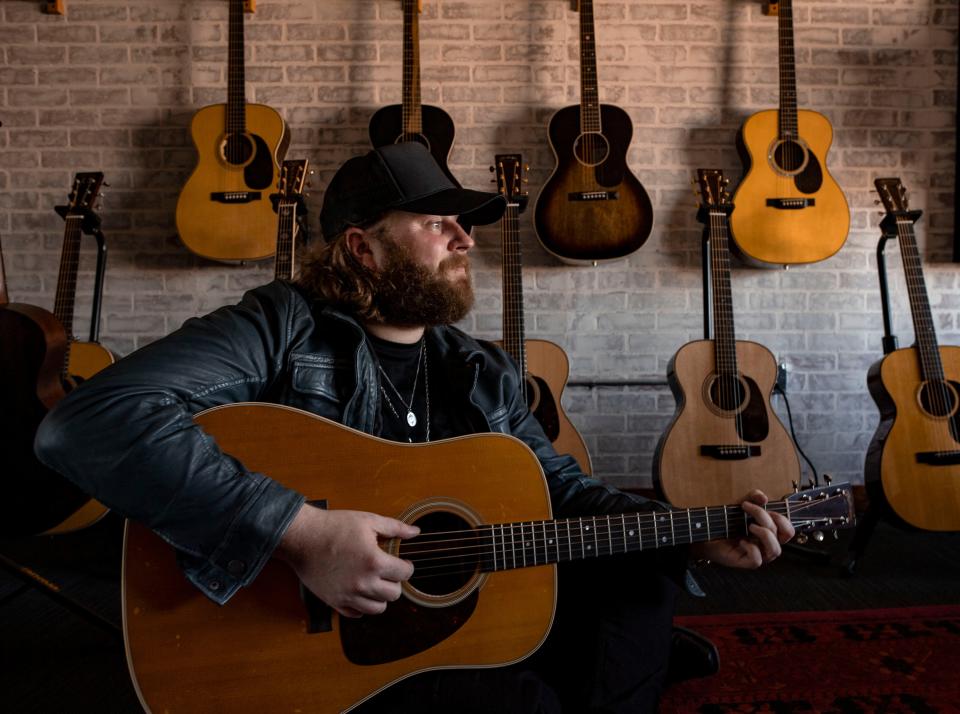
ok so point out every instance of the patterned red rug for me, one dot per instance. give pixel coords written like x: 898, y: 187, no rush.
x: 843, y: 662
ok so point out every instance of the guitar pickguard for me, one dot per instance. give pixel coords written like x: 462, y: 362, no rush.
x: 753, y: 426
x: 811, y: 178
x: 258, y: 174
x: 543, y: 405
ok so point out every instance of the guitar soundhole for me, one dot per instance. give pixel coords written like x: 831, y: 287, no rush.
x: 591, y: 148
x: 445, y: 555
x: 728, y: 393
x: 938, y: 398
x: 419, y: 138
x: 790, y: 156
x: 238, y: 149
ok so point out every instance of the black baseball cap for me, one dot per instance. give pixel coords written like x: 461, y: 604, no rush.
x: 404, y: 177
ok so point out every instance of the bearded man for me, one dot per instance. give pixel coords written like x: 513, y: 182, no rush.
x: 365, y: 337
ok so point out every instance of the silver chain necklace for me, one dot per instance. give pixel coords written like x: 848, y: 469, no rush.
x: 411, y: 417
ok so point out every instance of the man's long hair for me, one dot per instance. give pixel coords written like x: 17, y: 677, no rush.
x: 330, y: 272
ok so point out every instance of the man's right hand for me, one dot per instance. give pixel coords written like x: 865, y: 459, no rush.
x: 338, y: 557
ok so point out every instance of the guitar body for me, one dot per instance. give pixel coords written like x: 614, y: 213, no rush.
x: 592, y: 208
x: 386, y: 127
x: 684, y: 474
x: 766, y: 234
x: 254, y: 654
x: 547, y: 371
x: 224, y: 211
x: 925, y: 495
x: 35, y: 498
x: 88, y: 358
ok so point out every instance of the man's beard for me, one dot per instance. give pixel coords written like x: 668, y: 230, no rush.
x: 407, y: 293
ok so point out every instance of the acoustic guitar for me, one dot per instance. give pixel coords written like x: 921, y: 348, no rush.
x: 724, y: 439
x: 224, y: 211
x: 41, y: 361
x: 789, y: 209
x: 913, y: 461
x: 290, y: 210
x: 544, y: 364
x: 482, y: 594
x: 411, y: 120
x: 592, y: 208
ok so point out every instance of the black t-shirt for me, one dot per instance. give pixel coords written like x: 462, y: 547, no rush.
x: 420, y: 375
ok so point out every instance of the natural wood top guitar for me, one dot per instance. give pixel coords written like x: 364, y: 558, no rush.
x: 789, y: 209
x: 411, y: 120
x: 544, y: 364
x: 592, y: 208
x: 482, y: 594
x: 725, y: 439
x: 288, y: 202
x: 913, y: 461
x: 224, y: 212
x: 40, y: 362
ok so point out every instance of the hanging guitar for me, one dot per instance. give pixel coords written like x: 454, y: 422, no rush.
x: 488, y: 600
x: 789, y: 209
x: 41, y: 361
x: 290, y: 208
x: 725, y: 439
x: 224, y: 211
x: 411, y: 120
x: 913, y: 461
x: 592, y: 208
x: 544, y: 364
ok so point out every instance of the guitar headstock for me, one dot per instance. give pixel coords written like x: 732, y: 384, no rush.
x: 84, y: 193
x: 293, y: 178
x: 893, y: 195
x: 823, y: 508
x: 510, y: 179
x: 713, y: 194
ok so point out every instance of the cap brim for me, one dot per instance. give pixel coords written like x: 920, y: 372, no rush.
x: 476, y: 208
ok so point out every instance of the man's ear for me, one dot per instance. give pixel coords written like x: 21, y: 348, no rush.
x: 361, y: 247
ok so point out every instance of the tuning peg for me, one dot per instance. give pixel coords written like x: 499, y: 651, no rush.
x: 818, y: 536
x: 810, y: 483
x: 796, y: 487
x: 836, y: 535
x: 827, y: 479
x: 801, y: 538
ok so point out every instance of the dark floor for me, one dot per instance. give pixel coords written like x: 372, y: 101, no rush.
x: 53, y: 660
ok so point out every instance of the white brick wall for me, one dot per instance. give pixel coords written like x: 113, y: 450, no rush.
x: 113, y: 85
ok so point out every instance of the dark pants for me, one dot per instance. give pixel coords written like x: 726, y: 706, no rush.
x: 607, y: 652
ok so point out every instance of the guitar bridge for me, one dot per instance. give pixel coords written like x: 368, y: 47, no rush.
x: 232, y: 197
x: 791, y: 204
x: 733, y: 452
x: 938, y: 458
x: 593, y: 195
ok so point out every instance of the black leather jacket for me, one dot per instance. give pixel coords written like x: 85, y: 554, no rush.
x: 127, y: 436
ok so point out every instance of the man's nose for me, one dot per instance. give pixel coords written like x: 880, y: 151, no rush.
x: 461, y: 241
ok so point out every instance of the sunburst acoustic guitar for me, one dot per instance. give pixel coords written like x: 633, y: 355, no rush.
x: 39, y: 363
x: 789, y: 209
x: 224, y: 211
x: 913, y: 461
x: 592, y: 208
x: 482, y: 594
x: 725, y: 439
x: 412, y: 120
x: 544, y: 364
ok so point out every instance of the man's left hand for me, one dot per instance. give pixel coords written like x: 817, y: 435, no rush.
x: 767, y: 532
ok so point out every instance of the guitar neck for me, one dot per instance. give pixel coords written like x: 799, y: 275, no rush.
x: 286, y: 240
x: 507, y: 546
x: 513, y: 329
x: 725, y: 340
x: 589, y: 94
x: 236, y: 80
x: 63, y: 306
x: 925, y: 334
x: 788, y: 73
x: 412, y: 114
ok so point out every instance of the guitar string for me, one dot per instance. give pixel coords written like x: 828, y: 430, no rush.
x: 428, y: 567
x: 928, y: 351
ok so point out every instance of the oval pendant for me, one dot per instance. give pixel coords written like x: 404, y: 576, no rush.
x: 411, y: 419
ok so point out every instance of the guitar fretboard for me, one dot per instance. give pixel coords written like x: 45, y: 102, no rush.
x: 513, y: 327
x: 412, y: 113
x: 236, y: 99
x: 725, y: 340
x: 931, y: 367
x: 286, y: 240
x: 788, y: 73
x: 589, y: 94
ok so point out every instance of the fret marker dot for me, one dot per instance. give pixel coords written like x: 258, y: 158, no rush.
x: 550, y: 542
x: 698, y: 524
x: 589, y: 547
x: 663, y: 540
x: 631, y: 532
